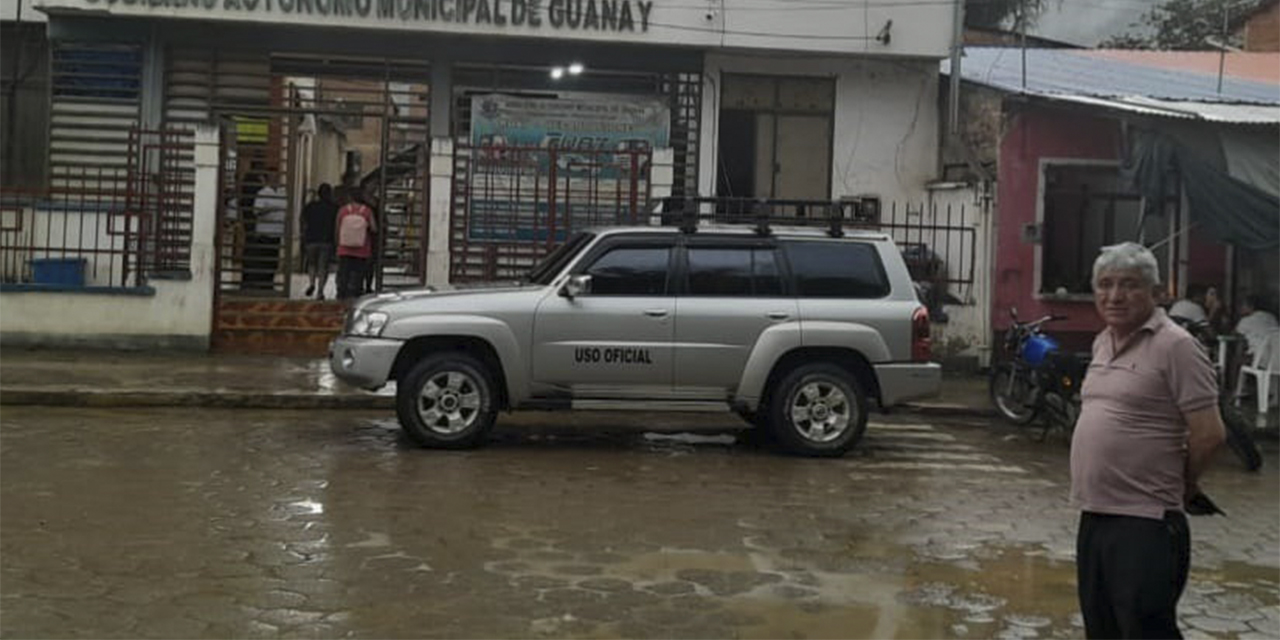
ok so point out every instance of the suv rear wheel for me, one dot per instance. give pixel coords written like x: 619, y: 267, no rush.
x: 818, y: 410
x: 447, y: 401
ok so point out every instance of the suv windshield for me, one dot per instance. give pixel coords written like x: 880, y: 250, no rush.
x: 544, y: 272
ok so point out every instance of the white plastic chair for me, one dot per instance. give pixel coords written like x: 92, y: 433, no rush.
x: 1265, y: 369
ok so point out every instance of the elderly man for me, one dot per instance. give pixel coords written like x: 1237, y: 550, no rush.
x: 1148, y: 427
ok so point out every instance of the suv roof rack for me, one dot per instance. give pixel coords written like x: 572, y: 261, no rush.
x: 764, y: 214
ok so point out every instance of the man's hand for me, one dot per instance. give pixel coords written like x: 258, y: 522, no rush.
x: 1205, y: 434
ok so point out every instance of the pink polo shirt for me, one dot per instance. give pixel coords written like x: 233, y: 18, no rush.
x: 1129, y: 451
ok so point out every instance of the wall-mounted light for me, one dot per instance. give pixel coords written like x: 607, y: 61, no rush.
x: 557, y: 73
x: 575, y: 69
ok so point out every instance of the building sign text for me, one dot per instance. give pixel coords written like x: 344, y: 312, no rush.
x: 630, y: 16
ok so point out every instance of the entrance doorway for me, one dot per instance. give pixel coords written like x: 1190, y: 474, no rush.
x: 291, y: 123
x: 775, y: 137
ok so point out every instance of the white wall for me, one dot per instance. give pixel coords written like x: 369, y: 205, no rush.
x: 918, y: 28
x: 886, y: 120
x: 967, y: 333
x: 178, y: 314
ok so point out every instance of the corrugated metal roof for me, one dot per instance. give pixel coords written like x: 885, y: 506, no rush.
x: 1081, y: 77
x: 1241, y: 65
x: 1067, y: 74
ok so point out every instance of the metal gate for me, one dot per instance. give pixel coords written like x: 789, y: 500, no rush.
x: 102, y: 225
x: 290, y: 123
x: 513, y: 205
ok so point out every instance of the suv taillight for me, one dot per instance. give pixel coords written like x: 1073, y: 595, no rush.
x: 921, y: 343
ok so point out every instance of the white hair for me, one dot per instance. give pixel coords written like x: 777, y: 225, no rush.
x: 1128, y: 255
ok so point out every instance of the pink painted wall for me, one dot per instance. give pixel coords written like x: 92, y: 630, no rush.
x: 1032, y: 134
x: 1206, y: 262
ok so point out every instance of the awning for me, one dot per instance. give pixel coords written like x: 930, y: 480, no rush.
x: 1234, y: 211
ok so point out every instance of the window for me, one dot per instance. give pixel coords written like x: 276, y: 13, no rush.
x: 733, y: 271
x: 775, y: 137
x: 546, y: 270
x: 631, y: 271
x: 837, y: 270
x: 24, y: 109
x: 1086, y: 208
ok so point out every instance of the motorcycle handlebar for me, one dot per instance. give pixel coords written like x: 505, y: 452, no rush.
x: 1037, y: 323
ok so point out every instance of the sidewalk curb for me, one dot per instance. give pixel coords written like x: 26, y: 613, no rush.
x: 203, y: 399
x: 18, y: 396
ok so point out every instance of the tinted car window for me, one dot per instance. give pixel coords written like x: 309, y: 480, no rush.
x: 733, y: 271
x: 550, y: 266
x: 768, y: 281
x: 837, y: 270
x: 630, y: 271
x: 719, y: 271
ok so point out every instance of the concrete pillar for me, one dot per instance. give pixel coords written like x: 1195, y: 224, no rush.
x: 661, y: 179
x: 440, y: 211
x: 441, y: 98
x: 151, y: 116
x: 204, y: 223
x: 709, y: 129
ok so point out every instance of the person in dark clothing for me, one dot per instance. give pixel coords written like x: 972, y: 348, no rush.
x: 244, y: 215
x: 319, y: 218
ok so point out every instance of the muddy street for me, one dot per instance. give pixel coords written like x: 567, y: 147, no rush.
x: 211, y: 523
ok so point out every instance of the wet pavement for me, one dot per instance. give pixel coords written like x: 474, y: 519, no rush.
x: 142, y: 379
x: 217, y: 523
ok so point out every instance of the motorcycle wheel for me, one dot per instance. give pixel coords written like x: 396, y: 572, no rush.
x: 1239, y: 439
x: 1017, y: 405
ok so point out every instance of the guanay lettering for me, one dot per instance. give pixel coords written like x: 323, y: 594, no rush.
x: 612, y: 355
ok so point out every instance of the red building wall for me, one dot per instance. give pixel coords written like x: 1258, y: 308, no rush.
x: 1032, y: 134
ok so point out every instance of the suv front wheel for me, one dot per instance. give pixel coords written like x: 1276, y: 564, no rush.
x: 447, y: 401
x: 818, y: 410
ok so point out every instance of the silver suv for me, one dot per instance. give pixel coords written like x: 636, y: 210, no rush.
x: 795, y: 329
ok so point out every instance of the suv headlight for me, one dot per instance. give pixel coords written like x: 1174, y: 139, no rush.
x: 369, y: 324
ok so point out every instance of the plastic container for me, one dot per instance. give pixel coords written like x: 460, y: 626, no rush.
x: 63, y: 271
x: 1037, y: 348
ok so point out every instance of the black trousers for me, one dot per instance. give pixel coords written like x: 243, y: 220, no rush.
x: 351, y: 273
x: 261, y: 260
x: 1131, y: 572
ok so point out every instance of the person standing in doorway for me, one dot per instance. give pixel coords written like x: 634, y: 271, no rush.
x: 355, y: 229
x: 264, y: 245
x: 319, y: 218
x: 1148, y: 427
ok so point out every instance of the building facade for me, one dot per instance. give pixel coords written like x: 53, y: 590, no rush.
x: 484, y: 130
x: 1072, y: 130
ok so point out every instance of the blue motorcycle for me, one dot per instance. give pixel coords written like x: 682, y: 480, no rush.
x: 1036, y: 378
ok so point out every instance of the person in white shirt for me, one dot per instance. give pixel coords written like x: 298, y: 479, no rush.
x: 262, y: 253
x: 269, y: 205
x: 1188, y: 309
x: 1255, y: 323
x: 1200, y: 305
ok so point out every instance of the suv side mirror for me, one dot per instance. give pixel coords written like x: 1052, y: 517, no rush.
x: 576, y: 286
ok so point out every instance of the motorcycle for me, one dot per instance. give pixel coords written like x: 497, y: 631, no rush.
x: 1037, y: 378
x: 1239, y: 437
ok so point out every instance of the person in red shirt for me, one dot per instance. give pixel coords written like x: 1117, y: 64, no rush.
x: 355, y: 227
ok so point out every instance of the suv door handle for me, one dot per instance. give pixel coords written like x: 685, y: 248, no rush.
x: 778, y: 315
x: 655, y: 313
